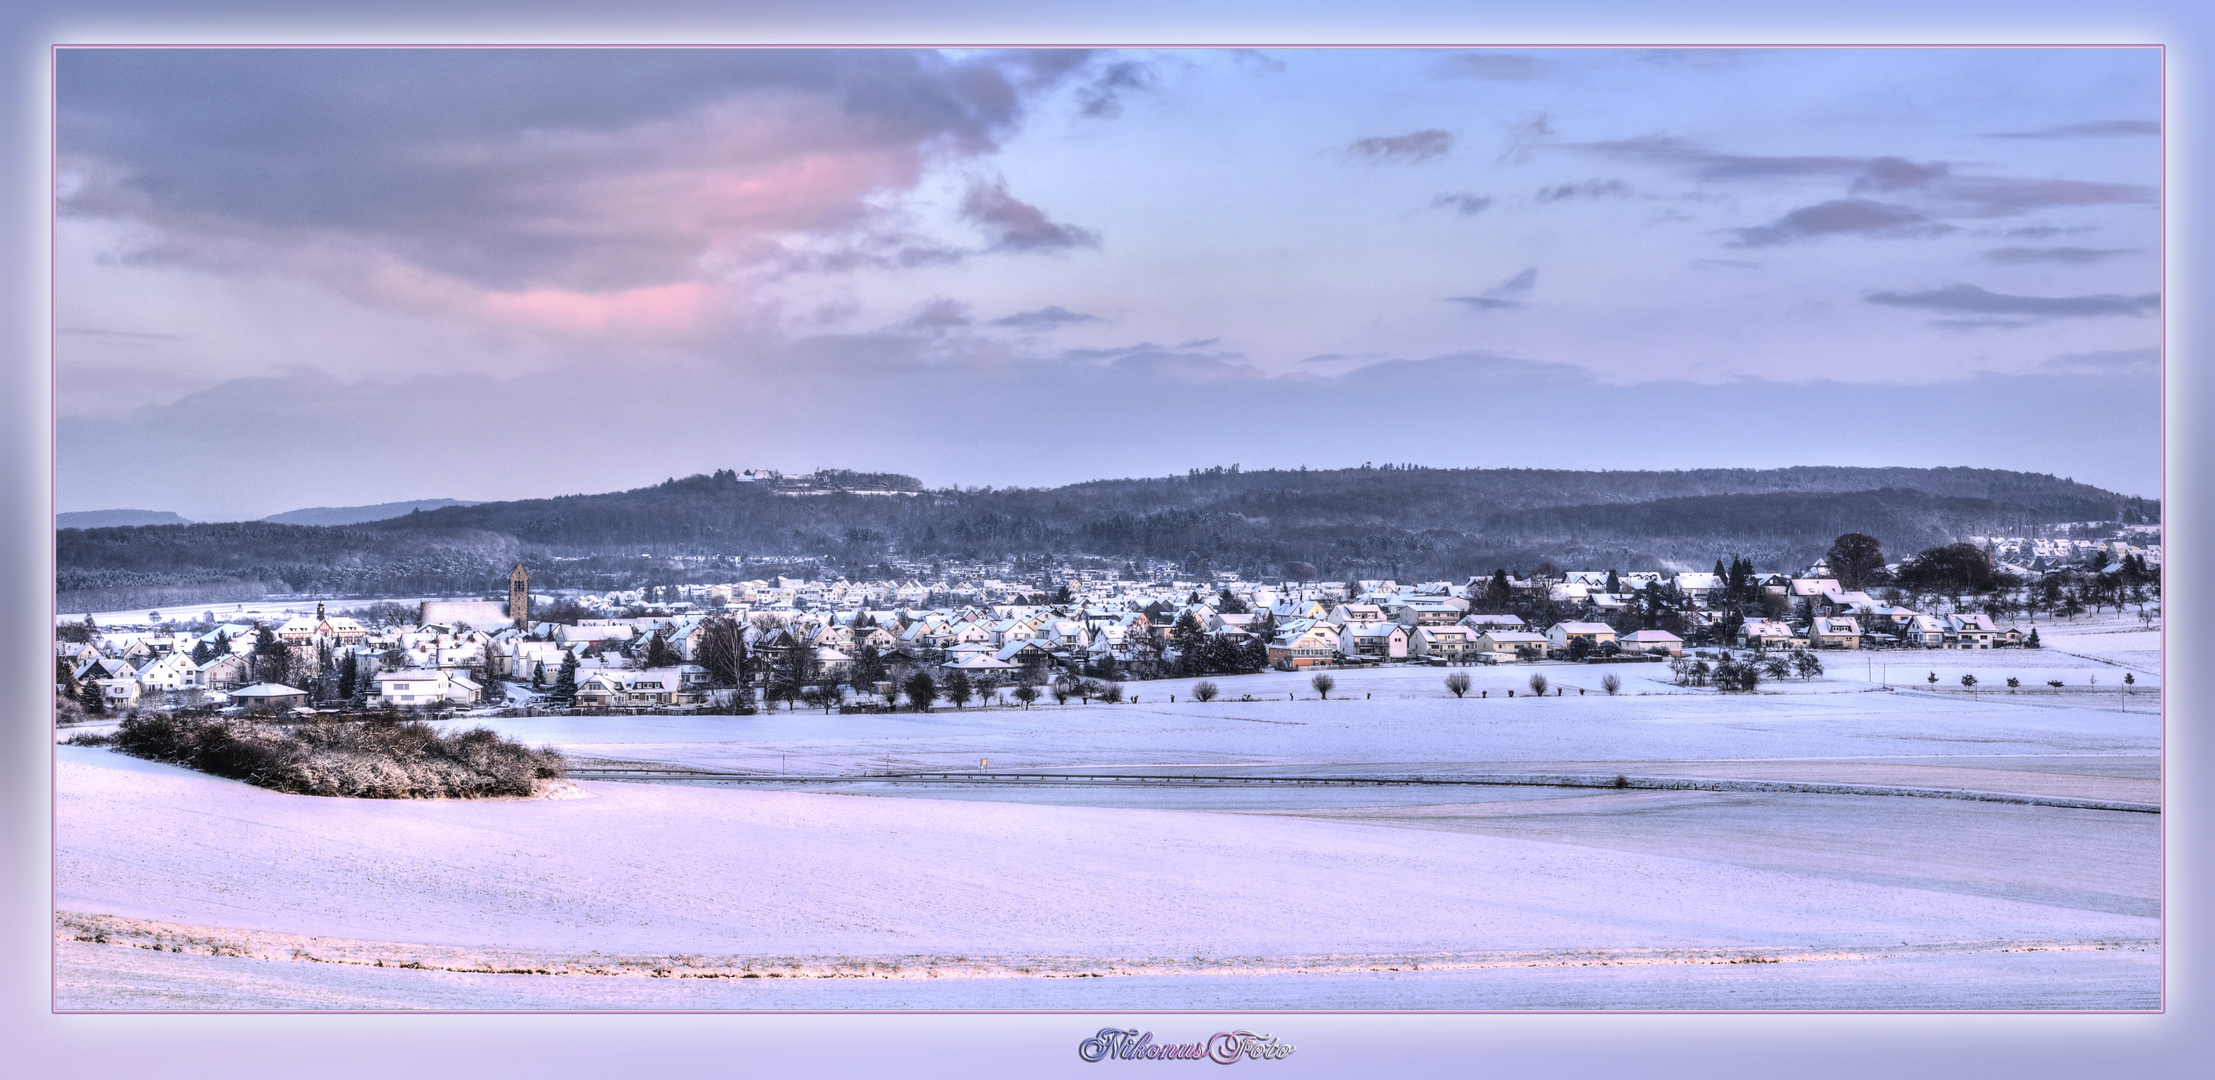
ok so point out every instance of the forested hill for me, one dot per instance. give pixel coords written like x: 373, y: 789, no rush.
x: 1396, y: 522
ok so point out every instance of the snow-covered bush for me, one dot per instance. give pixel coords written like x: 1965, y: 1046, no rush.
x: 371, y: 759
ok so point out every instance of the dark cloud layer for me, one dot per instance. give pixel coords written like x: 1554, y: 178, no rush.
x: 1946, y: 193
x: 1462, y: 202
x: 1495, y: 67
x: 2074, y: 256
x: 1504, y: 296
x: 512, y: 169
x: 1045, y: 318
x: 1842, y: 217
x: 1413, y: 147
x: 2092, y: 129
x: 1972, y: 300
x: 1103, y: 96
x: 1015, y: 225
x: 1588, y: 189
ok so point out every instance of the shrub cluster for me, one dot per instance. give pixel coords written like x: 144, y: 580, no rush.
x: 369, y: 759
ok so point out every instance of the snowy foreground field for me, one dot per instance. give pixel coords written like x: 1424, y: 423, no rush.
x: 1830, y: 845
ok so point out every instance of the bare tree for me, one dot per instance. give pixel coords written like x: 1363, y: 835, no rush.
x: 1204, y: 691
x: 1458, y: 682
x: 1323, y: 684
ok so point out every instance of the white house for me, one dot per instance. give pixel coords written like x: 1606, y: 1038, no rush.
x: 1646, y: 641
x: 1501, y: 646
x: 1561, y: 634
x: 1768, y: 634
x: 1834, y: 632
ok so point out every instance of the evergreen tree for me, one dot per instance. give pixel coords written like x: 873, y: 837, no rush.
x: 349, y: 674
x: 1185, y: 637
x: 565, y: 681
x: 90, y: 697
x: 272, y: 660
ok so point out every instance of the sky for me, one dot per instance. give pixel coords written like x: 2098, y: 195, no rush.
x: 349, y: 276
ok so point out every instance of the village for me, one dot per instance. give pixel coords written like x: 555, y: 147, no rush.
x: 845, y: 646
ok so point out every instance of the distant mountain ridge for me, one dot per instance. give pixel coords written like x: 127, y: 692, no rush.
x: 116, y: 519
x: 355, y: 515
x: 1404, y: 522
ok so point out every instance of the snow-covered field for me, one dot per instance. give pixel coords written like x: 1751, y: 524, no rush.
x: 178, y: 890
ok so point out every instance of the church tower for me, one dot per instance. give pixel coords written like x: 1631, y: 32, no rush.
x: 519, y: 596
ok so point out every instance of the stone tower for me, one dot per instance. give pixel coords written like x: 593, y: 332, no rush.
x: 519, y: 596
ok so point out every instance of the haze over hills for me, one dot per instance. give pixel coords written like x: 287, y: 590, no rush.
x: 1400, y: 522
x: 355, y: 515
x: 107, y: 519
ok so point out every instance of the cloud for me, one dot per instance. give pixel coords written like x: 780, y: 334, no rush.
x: 1413, y: 147
x: 1502, y: 296
x: 1495, y: 67
x: 516, y: 181
x: 1842, y: 217
x: 940, y: 314
x: 1715, y: 165
x: 1971, y: 300
x: 1523, y: 139
x: 1729, y: 264
x: 2041, y: 232
x: 1015, y: 225
x: 1259, y: 59
x: 2075, y: 256
x: 1589, y: 189
x: 1103, y: 96
x: 2111, y: 360
x: 1996, y: 196
x: 2091, y: 129
x: 1183, y: 368
x: 1045, y: 318
x: 1948, y: 193
x: 1894, y: 174
x: 1463, y: 202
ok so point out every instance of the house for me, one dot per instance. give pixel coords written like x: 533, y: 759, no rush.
x: 1834, y: 632
x: 1482, y: 623
x: 224, y: 672
x: 1973, y: 631
x: 1768, y: 634
x: 1814, y: 592
x: 1375, y: 641
x: 169, y: 672
x: 601, y: 690
x: 1646, y: 641
x: 118, y: 692
x: 1563, y: 635
x: 1453, y: 644
x: 1926, y: 632
x: 1355, y: 615
x: 1505, y: 646
x: 302, y: 632
x: 1311, y: 645
x: 420, y: 688
x: 269, y: 698
x: 833, y: 664
x: 1699, y: 588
